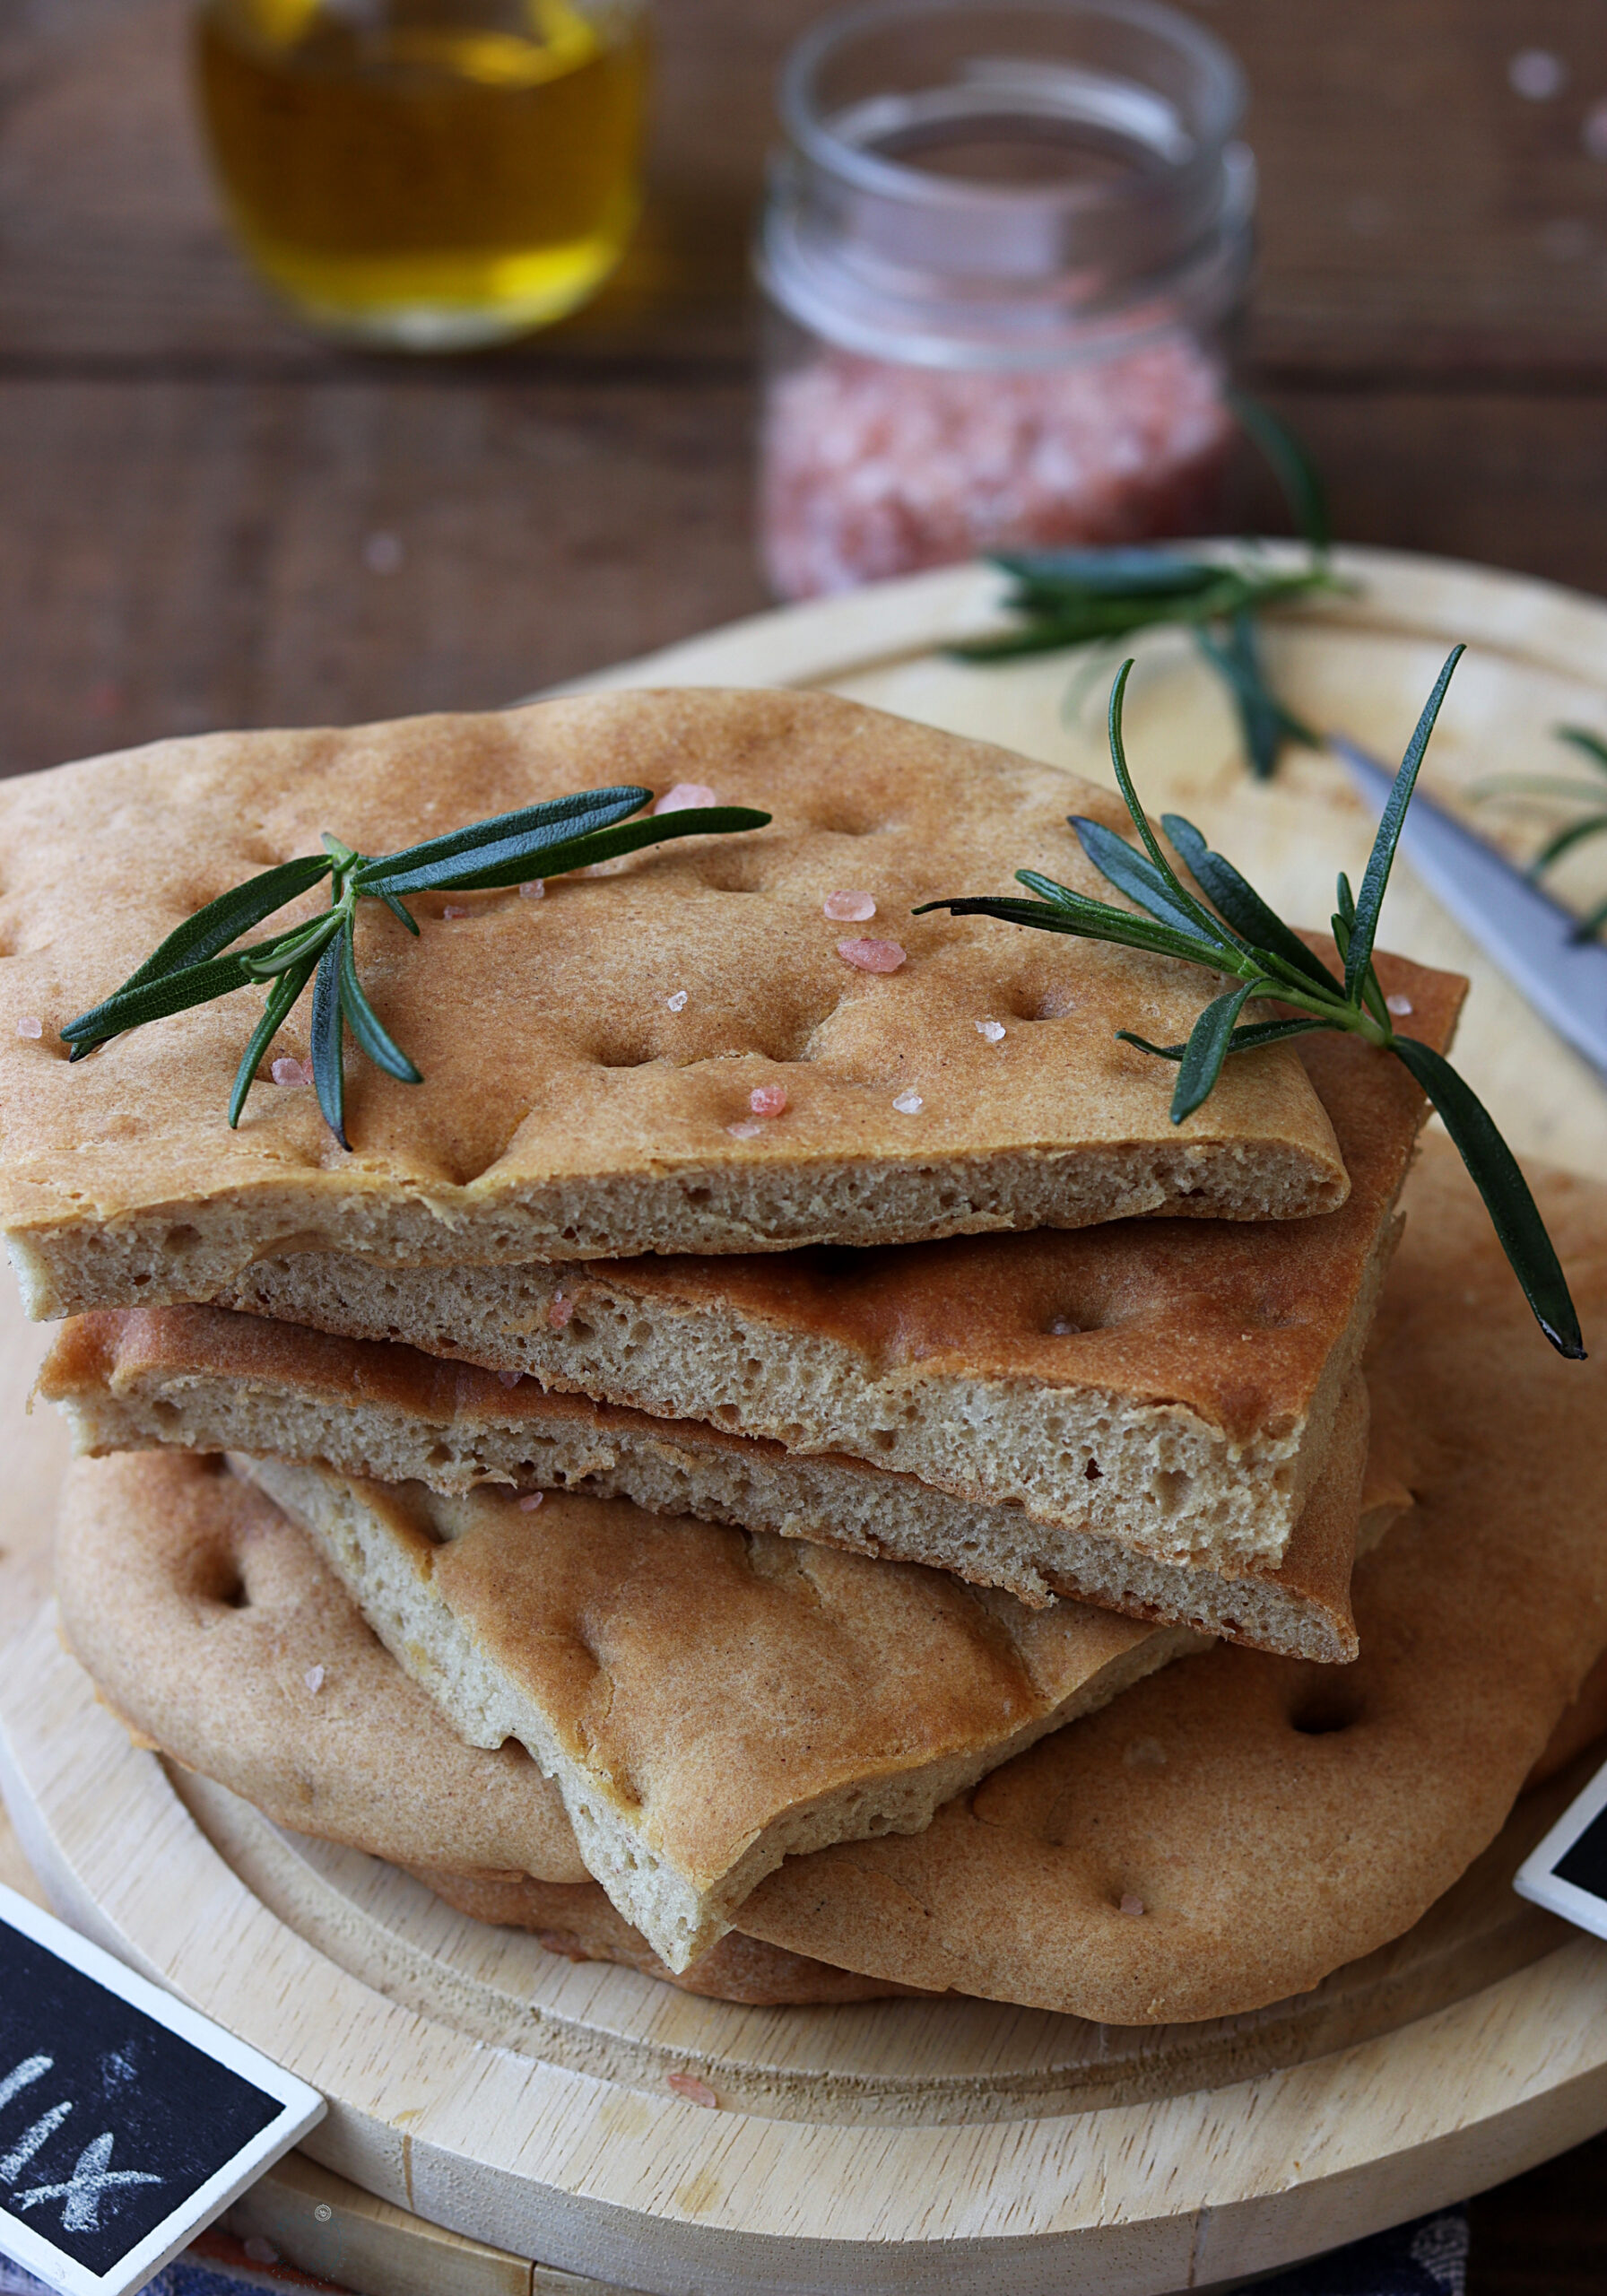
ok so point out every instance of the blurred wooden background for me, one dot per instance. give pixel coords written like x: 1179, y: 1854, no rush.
x: 207, y: 520
x: 190, y: 492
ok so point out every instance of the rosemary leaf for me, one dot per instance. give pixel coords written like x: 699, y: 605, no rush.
x: 1575, y: 833
x: 232, y: 913
x: 512, y: 863
x: 281, y: 996
x: 1107, y: 573
x: 1240, y: 903
x: 557, y: 821
x: 1133, y: 874
x: 152, y: 1000
x: 1494, y: 1172
x: 1250, y: 1039
x: 364, y: 1021
x: 1375, y: 881
x: 1297, y: 473
x: 190, y: 969
x: 329, y: 1067
x: 1588, y: 744
x: 1209, y: 1043
x: 1269, y: 960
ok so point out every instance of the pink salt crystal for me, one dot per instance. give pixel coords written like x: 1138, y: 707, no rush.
x: 259, y: 2250
x: 534, y: 889
x: 1399, y: 1005
x: 509, y: 1378
x: 768, y: 1099
x: 30, y: 1027
x: 684, y: 797
x: 695, y: 2092
x: 910, y: 1104
x: 870, y: 956
x: 875, y: 468
x: 292, y: 1072
x: 1130, y: 1904
x: 529, y: 1500
x: 994, y: 1031
x: 744, y: 1131
x: 677, y: 1004
x: 560, y: 1312
x: 457, y: 908
x: 848, y: 908
x: 314, y: 1679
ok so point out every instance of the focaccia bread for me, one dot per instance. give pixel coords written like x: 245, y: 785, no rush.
x: 711, y: 1700
x: 1161, y: 1391
x: 204, y: 1379
x: 1271, y: 1820
x: 589, y: 1058
x: 212, y: 1630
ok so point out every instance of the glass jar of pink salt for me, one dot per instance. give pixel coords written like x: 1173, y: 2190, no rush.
x: 1005, y: 247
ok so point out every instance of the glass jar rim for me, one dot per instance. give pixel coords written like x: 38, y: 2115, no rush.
x: 1222, y: 82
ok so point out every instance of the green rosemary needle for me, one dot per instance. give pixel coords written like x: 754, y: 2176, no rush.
x: 198, y: 960
x: 1590, y: 824
x: 1072, y: 597
x: 1240, y: 935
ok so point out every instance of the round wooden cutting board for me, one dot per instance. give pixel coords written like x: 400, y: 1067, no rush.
x: 493, y: 2089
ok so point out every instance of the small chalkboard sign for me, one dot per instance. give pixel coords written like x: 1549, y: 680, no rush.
x: 128, y: 2121
x: 1567, y: 1872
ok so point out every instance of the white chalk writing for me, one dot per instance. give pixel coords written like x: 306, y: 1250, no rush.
x: 80, y: 2196
x: 92, y: 2172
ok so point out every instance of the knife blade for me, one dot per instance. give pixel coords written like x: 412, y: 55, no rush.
x: 1527, y: 935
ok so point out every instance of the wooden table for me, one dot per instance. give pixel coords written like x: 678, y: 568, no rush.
x: 191, y: 491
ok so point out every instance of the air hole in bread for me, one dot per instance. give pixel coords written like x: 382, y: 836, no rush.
x: 731, y: 871
x: 1326, y: 1711
x: 1171, y: 1487
x: 165, y: 1414
x: 181, y: 1239
x: 843, y: 820
x: 1038, y: 1000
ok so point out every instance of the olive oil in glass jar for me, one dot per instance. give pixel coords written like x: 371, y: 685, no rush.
x: 426, y: 175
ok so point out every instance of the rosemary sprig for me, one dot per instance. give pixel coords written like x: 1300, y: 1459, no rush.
x: 1071, y: 597
x: 1593, y: 823
x: 1239, y: 935
x: 191, y: 966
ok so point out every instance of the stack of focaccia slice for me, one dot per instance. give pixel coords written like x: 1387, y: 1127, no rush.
x: 782, y: 1380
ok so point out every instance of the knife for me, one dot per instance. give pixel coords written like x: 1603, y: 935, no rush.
x: 1528, y: 936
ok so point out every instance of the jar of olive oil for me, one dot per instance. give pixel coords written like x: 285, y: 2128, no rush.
x: 426, y: 175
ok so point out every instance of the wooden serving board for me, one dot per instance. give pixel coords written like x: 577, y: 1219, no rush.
x: 523, y: 2102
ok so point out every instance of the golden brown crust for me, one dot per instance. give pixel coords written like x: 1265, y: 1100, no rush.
x: 1274, y: 1820
x: 1267, y: 1846
x: 709, y: 1700
x: 205, y: 1380
x: 1182, y: 1414
x: 202, y: 1613
x: 576, y: 1920
x: 572, y: 1104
